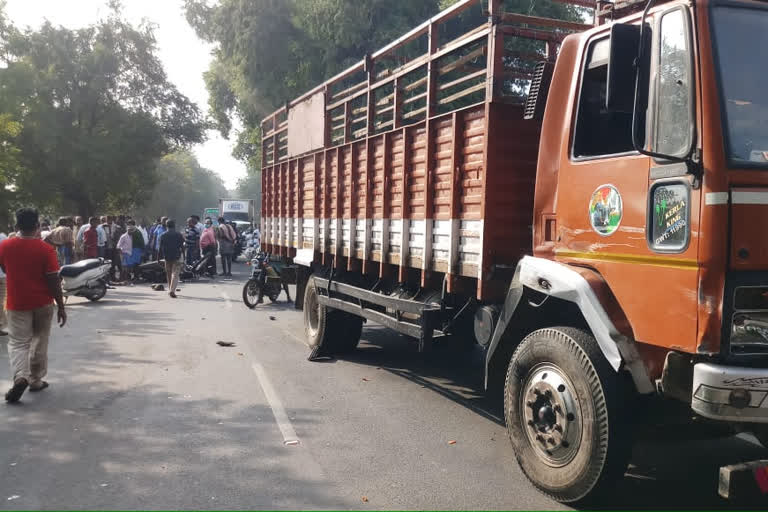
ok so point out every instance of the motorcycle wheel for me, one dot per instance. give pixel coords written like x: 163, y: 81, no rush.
x: 97, y: 292
x: 251, y: 293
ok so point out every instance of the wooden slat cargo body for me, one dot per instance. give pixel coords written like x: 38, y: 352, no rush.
x: 416, y: 164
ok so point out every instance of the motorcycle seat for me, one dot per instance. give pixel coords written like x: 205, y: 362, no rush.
x: 78, y: 268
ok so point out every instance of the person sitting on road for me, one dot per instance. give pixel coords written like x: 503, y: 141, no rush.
x: 171, y: 250
x: 33, y: 284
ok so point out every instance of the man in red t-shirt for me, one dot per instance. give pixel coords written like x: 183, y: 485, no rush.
x: 33, y: 283
x: 91, y: 239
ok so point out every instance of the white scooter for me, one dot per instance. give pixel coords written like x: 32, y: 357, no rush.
x: 87, y: 278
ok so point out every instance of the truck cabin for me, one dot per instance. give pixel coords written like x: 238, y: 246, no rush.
x: 669, y: 159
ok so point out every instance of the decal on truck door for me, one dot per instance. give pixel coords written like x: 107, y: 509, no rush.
x: 669, y: 217
x: 606, y: 210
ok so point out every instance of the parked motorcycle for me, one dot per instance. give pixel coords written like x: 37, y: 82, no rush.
x: 251, y: 245
x: 265, y: 280
x: 87, y: 278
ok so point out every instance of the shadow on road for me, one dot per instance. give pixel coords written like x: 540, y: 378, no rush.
x: 680, y: 473
x: 94, y: 443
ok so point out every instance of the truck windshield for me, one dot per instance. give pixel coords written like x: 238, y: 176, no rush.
x: 739, y: 33
x: 243, y: 216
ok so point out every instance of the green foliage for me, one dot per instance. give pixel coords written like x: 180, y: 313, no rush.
x: 250, y: 187
x: 271, y: 51
x: 95, y: 111
x: 183, y: 188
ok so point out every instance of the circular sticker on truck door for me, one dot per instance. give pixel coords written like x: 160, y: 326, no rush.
x: 605, y: 210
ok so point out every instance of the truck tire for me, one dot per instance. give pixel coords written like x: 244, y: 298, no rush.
x: 329, y: 331
x: 318, y: 320
x: 564, y: 409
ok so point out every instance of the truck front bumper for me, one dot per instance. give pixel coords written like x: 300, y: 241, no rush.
x: 730, y: 393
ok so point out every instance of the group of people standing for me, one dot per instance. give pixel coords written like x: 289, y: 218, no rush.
x: 116, y: 238
x: 199, y: 240
x: 31, y: 256
x: 207, y: 239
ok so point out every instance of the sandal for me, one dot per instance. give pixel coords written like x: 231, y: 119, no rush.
x: 35, y: 389
x: 14, y: 394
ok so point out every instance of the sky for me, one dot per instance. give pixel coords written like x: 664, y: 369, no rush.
x: 184, y: 56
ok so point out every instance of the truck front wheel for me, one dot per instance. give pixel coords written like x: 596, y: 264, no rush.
x: 563, y: 405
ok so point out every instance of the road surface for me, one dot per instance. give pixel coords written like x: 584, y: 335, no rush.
x: 146, y: 411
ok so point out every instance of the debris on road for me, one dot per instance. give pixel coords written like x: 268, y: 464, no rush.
x: 451, y: 442
x: 158, y: 287
x: 272, y: 318
x: 365, y: 499
x: 225, y: 343
x: 365, y: 379
x: 240, y: 354
x: 14, y: 497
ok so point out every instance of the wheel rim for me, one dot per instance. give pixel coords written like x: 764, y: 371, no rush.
x: 551, y: 415
x: 253, y: 292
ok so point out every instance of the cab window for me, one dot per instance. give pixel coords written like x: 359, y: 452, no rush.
x: 599, y: 131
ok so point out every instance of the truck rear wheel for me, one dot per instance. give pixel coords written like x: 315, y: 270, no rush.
x: 563, y: 405
x: 329, y: 331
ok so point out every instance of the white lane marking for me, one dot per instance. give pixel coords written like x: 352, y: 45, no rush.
x: 749, y: 197
x: 289, y: 435
x: 715, y: 198
x: 228, y: 302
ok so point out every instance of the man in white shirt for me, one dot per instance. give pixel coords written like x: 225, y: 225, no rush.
x: 198, y: 224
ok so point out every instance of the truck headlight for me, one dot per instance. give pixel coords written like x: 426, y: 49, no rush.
x: 749, y: 333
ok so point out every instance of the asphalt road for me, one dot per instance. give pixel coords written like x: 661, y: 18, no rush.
x: 146, y: 411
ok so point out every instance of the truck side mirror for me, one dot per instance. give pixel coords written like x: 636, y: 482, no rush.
x: 620, y: 91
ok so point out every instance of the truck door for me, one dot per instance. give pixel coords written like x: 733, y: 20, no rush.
x: 630, y: 217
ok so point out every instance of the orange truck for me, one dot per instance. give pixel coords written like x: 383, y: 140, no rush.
x: 586, y: 202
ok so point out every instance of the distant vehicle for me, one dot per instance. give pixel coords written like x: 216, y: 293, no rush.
x: 239, y: 211
x: 213, y: 213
